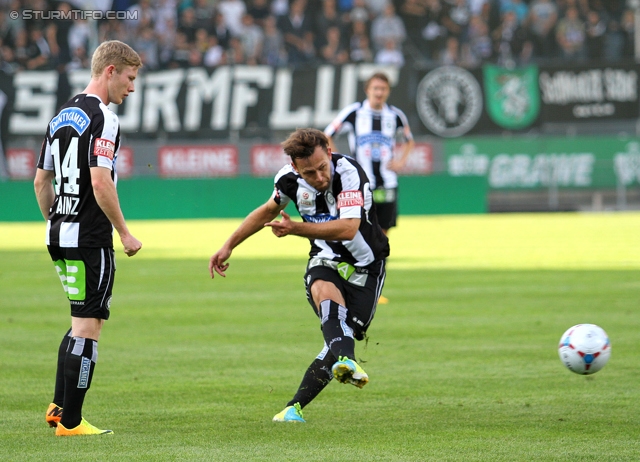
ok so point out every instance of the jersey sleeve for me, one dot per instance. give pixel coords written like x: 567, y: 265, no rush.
x: 104, y: 138
x: 344, y: 121
x: 351, y: 199
x: 282, y: 190
x: 403, y: 124
x: 45, y: 161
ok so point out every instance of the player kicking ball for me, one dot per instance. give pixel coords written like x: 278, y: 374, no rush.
x: 346, y: 268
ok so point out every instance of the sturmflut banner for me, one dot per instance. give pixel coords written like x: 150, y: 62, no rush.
x: 447, y: 101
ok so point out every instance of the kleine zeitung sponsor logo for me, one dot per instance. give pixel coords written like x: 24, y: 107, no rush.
x: 198, y: 161
x: 21, y: 163
x: 267, y: 159
x: 350, y: 199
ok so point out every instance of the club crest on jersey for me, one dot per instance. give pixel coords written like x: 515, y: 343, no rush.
x: 70, y: 117
x: 104, y: 147
x: 350, y: 199
x: 307, y: 199
x: 329, y: 198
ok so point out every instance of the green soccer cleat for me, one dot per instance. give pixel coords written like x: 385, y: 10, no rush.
x: 348, y: 371
x: 53, y: 415
x: 290, y: 414
x: 85, y: 428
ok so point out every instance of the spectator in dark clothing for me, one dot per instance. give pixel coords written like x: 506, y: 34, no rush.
x: 252, y: 39
x: 480, y: 45
x: 236, y: 53
x: 456, y: 20
x: 204, y: 14
x: 259, y: 10
x: 58, y: 37
x: 181, y: 52
x: 596, y: 30
x: 188, y: 25
x: 571, y: 35
x: 628, y: 32
x: 433, y: 32
x: 79, y: 60
x: 146, y: 44
x: 7, y: 31
x: 20, y: 48
x: 38, y: 51
x: 413, y: 14
x: 333, y: 52
x: 543, y: 17
x: 296, y: 28
x: 273, y: 52
x: 359, y: 45
x: 8, y: 63
x: 221, y: 31
x: 511, y: 41
x: 325, y: 19
x: 195, y: 58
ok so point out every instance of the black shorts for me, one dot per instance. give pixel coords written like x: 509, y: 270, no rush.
x: 360, y: 291
x: 386, y: 201
x: 87, y: 276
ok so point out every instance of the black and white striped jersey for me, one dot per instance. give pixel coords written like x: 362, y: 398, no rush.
x: 372, y: 138
x: 348, y: 196
x: 85, y: 133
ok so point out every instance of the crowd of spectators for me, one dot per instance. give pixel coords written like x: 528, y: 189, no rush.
x: 180, y: 33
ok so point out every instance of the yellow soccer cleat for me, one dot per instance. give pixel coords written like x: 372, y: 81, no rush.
x: 85, y: 428
x: 290, y: 414
x: 346, y: 370
x: 383, y: 300
x: 54, y: 414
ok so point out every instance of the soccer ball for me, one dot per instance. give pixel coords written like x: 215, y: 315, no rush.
x: 584, y: 349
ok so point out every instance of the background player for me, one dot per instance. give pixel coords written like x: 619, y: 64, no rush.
x: 346, y: 268
x: 372, y: 126
x: 79, y: 152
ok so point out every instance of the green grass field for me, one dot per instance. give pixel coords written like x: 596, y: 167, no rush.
x: 462, y: 361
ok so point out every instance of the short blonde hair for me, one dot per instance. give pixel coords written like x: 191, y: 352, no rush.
x: 113, y: 52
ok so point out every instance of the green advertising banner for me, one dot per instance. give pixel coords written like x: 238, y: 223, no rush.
x: 544, y: 162
x: 156, y: 198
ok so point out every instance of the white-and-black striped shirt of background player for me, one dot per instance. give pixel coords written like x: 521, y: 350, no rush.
x: 372, y: 138
x: 85, y: 133
x: 348, y: 196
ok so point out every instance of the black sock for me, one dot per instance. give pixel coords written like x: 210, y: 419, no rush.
x: 317, y: 376
x: 337, y: 334
x: 58, y: 394
x: 79, y: 364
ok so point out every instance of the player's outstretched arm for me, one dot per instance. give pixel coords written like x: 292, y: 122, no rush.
x: 253, y: 223
x: 344, y: 229
x: 106, y: 196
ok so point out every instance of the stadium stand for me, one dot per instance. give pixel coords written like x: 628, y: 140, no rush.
x: 41, y: 35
